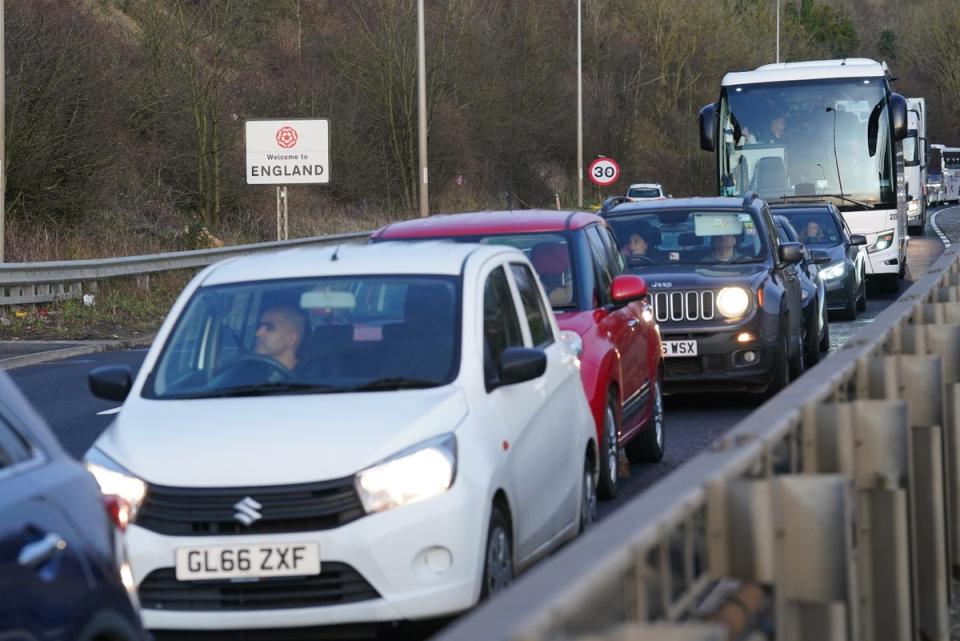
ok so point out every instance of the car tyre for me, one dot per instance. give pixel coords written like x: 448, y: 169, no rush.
x: 797, y: 364
x: 849, y: 311
x: 589, y: 511
x: 811, y: 344
x: 825, y: 339
x: 781, y: 370
x: 498, y: 556
x: 648, y: 446
x: 862, y: 294
x: 609, y: 450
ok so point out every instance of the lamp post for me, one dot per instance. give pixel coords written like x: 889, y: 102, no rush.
x: 579, y: 111
x: 778, y: 30
x: 3, y: 145
x: 422, y: 109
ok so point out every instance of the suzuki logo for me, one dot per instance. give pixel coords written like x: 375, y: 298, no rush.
x: 247, y: 511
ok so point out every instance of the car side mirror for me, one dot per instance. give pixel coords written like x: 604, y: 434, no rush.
x: 627, y: 288
x: 519, y: 364
x: 858, y: 239
x: 791, y: 253
x: 898, y: 114
x: 820, y: 257
x: 111, y: 382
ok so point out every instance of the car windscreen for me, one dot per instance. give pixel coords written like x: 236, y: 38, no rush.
x: 645, y: 192
x: 814, y: 227
x: 689, y: 237
x: 320, y: 335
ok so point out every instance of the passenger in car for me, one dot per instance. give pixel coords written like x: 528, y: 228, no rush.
x: 552, y: 262
x: 279, y: 333
x: 642, y: 242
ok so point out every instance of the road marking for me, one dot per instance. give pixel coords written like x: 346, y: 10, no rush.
x: 115, y: 410
x: 936, y: 228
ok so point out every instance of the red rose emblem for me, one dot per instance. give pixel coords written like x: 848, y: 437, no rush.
x: 286, y: 137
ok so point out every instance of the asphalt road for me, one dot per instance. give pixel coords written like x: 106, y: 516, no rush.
x: 59, y: 391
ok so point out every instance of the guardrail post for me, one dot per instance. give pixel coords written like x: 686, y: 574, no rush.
x: 793, y: 532
x: 919, y: 381
x: 868, y: 441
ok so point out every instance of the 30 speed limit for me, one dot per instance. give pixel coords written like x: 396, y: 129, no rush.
x: 604, y: 171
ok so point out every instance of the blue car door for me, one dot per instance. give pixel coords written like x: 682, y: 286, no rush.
x: 42, y: 573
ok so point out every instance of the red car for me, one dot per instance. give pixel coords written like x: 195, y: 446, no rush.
x: 579, y: 263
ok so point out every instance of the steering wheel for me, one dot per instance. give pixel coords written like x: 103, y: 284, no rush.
x: 274, y: 369
x: 639, y: 258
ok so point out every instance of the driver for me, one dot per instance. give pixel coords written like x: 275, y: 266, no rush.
x: 724, y: 249
x: 279, y: 334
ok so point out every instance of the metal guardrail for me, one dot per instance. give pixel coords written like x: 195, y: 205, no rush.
x: 838, y: 502
x: 43, y: 282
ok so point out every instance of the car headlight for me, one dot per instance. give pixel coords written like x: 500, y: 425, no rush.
x: 912, y: 207
x: 733, y: 302
x: 833, y: 271
x: 882, y: 242
x: 421, y: 472
x: 123, y: 492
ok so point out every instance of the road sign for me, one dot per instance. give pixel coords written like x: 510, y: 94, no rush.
x: 604, y: 171
x: 287, y: 152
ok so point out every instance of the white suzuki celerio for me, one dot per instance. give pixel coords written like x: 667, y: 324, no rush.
x: 346, y: 435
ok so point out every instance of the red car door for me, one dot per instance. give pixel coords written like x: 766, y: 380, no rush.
x: 622, y: 327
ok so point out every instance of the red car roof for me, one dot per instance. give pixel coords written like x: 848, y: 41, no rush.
x: 485, y: 223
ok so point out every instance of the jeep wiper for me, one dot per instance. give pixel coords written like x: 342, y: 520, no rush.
x: 393, y: 383
x: 785, y: 198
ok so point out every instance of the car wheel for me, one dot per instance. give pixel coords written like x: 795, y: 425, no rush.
x: 498, y: 559
x: 862, y: 297
x: 825, y: 339
x: 849, y: 311
x: 648, y: 446
x: 796, y: 361
x: 609, y: 451
x: 589, y: 514
x: 781, y: 369
x: 811, y: 344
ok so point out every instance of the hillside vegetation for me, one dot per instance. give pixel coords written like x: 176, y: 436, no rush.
x: 124, y: 118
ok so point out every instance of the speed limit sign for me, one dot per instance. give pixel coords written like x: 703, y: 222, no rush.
x: 604, y: 171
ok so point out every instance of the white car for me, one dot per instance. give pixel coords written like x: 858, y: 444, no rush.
x: 645, y: 191
x: 430, y: 438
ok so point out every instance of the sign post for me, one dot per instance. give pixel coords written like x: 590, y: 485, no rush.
x: 285, y: 152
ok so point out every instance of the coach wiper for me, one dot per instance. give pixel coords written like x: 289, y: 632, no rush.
x: 848, y: 199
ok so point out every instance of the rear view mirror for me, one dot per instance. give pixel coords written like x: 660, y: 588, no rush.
x: 519, y: 364
x: 898, y: 114
x: 111, y: 382
x: 791, y: 253
x: 627, y: 288
x: 858, y: 239
x: 819, y: 257
x: 708, y: 127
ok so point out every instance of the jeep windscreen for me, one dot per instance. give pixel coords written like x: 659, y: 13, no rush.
x: 689, y: 237
x: 312, y: 336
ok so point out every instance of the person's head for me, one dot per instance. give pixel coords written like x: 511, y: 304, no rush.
x: 813, y: 229
x: 723, y: 246
x: 777, y: 126
x: 279, y: 333
x: 637, y: 245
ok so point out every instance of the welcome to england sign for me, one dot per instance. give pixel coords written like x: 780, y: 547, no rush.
x: 287, y: 152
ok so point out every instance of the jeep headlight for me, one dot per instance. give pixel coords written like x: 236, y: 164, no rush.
x: 833, y: 271
x: 733, y: 302
x: 420, y: 472
x: 882, y: 242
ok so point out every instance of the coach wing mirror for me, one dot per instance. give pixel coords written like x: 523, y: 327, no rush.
x: 708, y: 127
x: 791, y: 253
x: 111, y: 382
x: 858, y: 239
x: 519, y: 364
x: 627, y: 288
x: 898, y: 115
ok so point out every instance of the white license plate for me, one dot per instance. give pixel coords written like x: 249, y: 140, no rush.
x: 679, y: 348
x: 250, y: 561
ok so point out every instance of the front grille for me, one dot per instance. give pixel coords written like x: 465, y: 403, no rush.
x: 283, y: 508
x: 337, y: 584
x: 684, y: 306
x: 685, y: 366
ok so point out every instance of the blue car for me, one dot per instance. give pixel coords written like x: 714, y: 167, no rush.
x: 61, y: 560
